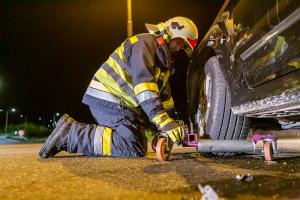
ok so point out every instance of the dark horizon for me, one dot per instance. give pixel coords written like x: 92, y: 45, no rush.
x: 51, y: 49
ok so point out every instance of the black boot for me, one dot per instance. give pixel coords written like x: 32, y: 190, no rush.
x: 58, y: 139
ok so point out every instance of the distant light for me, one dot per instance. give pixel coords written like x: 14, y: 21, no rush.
x: 21, y: 115
x: 1, y: 110
x: 57, y: 114
x: 13, y: 110
x: 50, y: 120
x: 40, y: 118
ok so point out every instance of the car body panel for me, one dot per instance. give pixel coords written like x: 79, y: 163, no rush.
x: 257, y: 43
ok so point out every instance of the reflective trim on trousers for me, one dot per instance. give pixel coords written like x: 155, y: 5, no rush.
x: 98, y: 141
x: 106, y: 141
x: 102, y: 141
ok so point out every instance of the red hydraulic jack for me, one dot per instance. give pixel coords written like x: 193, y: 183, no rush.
x: 164, y: 145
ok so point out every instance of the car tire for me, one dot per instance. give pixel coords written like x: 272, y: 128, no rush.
x: 217, y: 119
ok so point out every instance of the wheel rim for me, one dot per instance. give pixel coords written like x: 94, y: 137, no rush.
x: 205, y: 101
x: 162, y: 153
x: 207, y: 95
x: 268, y: 151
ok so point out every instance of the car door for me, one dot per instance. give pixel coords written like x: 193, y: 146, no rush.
x: 267, y: 40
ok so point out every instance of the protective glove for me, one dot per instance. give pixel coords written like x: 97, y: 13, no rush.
x: 168, y: 125
x: 176, y: 134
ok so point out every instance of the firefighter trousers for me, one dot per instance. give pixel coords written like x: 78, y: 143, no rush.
x: 119, y: 132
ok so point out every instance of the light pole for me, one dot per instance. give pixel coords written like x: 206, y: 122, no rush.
x: 6, y: 117
x: 129, y: 19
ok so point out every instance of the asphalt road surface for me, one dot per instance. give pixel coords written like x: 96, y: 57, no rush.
x: 23, y: 175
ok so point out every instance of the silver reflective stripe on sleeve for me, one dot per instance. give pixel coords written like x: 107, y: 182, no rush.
x: 98, y: 141
x: 102, y: 95
x: 146, y: 95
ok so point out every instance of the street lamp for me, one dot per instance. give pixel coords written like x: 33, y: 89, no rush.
x: 6, y: 117
x: 54, y: 118
x: 129, y: 19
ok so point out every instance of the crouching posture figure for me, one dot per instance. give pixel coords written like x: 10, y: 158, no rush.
x: 131, y: 85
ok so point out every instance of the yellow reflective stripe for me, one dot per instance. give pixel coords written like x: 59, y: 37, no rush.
x: 166, y: 78
x: 120, y: 52
x: 145, y: 86
x: 169, y: 103
x: 114, y: 87
x: 166, y: 122
x: 106, y: 141
x: 109, y: 82
x: 98, y: 85
x: 294, y: 63
x: 156, y: 73
x: 119, y: 70
x: 133, y: 39
x: 171, y: 135
x: 162, y: 119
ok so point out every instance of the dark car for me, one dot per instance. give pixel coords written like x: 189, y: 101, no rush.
x: 246, y: 67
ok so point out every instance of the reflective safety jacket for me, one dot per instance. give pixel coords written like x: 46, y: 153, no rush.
x: 136, y: 76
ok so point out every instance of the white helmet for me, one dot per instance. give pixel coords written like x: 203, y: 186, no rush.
x: 175, y: 27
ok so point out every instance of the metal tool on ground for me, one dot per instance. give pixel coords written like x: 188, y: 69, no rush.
x: 164, y: 145
x: 244, y: 177
x: 240, y: 146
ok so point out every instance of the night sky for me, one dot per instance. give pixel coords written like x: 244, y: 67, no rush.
x: 49, y: 50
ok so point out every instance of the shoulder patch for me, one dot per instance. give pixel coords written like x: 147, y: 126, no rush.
x: 133, y: 39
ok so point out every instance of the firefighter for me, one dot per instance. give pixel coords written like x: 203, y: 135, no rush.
x: 131, y: 84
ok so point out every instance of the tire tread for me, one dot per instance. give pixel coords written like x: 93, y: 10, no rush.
x: 222, y: 123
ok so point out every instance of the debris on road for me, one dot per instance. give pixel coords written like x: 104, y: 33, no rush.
x: 244, y: 177
x: 208, y: 193
x: 271, y: 162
